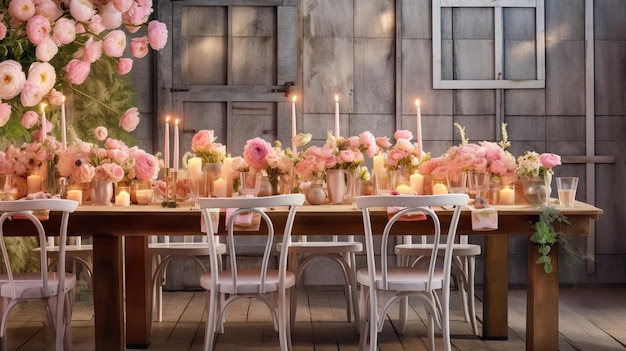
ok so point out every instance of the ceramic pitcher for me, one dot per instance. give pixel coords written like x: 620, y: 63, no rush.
x: 338, y: 184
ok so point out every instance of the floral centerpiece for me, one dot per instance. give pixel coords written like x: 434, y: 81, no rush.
x: 72, y: 48
x: 277, y: 163
x: 535, y: 174
x: 204, y: 145
x: 83, y: 162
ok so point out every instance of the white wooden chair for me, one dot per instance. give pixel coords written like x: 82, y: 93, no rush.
x: 163, y: 249
x: 271, y: 286
x: 50, y: 287
x: 303, y: 252
x: 422, y: 282
x: 76, y: 252
x: 463, y: 270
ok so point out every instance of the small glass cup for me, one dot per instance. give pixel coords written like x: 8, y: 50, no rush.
x: 250, y: 184
x: 566, y: 187
x: 122, y: 195
x: 457, y: 183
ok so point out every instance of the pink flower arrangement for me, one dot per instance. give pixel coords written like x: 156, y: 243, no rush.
x: 403, y: 154
x: 532, y: 164
x: 204, y: 145
x: 83, y: 162
x: 48, y: 46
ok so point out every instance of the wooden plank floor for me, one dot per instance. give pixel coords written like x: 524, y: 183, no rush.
x: 590, y: 319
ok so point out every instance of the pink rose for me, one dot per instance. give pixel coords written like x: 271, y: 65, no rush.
x: 111, y: 143
x: 77, y: 71
x: 123, y: 5
x: 130, y: 120
x: 157, y: 35
x: 31, y: 94
x: 146, y: 166
x: 139, y: 47
x: 3, y: 31
x: 96, y: 25
x: 64, y: 31
x: 29, y: 119
x: 255, y: 151
x: 346, y: 156
x: 403, y: 134
x: 82, y: 10
x: 549, y: 160
x: 201, y: 140
x: 405, y: 145
x: 5, y: 113
x: 111, y: 16
x: 115, y: 43
x: 48, y: 9
x: 100, y: 133
x: 84, y: 173
x: 46, y: 50
x: 37, y: 29
x: 383, y: 142
x: 124, y: 66
x: 42, y: 74
x: 55, y: 97
x: 22, y: 10
x: 137, y: 15
x: 12, y: 79
x: 91, y: 52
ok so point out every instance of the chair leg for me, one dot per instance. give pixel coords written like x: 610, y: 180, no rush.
x: 470, y: 293
x: 212, y: 315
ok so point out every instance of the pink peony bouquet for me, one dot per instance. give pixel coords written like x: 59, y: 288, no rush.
x: 403, y: 154
x: 47, y: 47
x: 83, y: 162
x: 204, y: 145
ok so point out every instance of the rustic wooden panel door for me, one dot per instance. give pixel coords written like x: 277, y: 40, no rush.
x: 227, y: 68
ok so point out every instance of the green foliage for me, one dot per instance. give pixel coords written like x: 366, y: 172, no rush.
x: 545, y: 235
x: 20, y: 254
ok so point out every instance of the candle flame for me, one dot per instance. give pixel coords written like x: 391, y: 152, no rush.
x: 43, y: 107
x: 294, y: 98
x: 176, y: 121
x: 336, y: 98
x: 167, y: 119
x: 62, y: 98
x: 417, y: 102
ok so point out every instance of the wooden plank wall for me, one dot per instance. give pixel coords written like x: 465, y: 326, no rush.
x: 376, y: 55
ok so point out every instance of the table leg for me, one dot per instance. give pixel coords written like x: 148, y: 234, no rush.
x: 138, y: 299
x: 496, y: 281
x: 108, y: 293
x: 542, y: 304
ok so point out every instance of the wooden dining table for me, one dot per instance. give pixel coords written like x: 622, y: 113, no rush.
x: 122, y: 268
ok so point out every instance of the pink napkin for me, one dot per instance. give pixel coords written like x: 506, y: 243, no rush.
x: 411, y: 216
x: 484, y: 219
x: 248, y: 221
x: 215, y: 221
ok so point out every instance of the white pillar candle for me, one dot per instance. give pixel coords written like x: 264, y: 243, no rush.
x: 439, y: 189
x: 194, y: 167
x: 379, y: 164
x: 507, y: 195
x: 122, y: 199
x: 293, y: 124
x: 337, y: 116
x: 227, y: 175
x: 76, y: 195
x: 43, y: 121
x: 417, y: 183
x: 166, y: 149
x: 219, y: 188
x: 419, y: 129
x: 63, y: 126
x: 34, y: 183
x: 175, y: 157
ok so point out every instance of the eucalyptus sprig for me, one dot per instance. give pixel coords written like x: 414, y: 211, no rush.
x: 545, y: 235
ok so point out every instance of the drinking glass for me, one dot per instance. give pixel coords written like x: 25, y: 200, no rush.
x: 567, y: 190
x: 457, y: 183
x: 250, y: 184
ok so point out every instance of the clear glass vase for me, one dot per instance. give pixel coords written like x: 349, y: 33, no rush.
x: 536, y: 189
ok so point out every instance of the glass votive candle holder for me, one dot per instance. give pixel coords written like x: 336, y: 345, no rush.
x: 75, y: 192
x: 122, y: 196
x: 143, y: 196
x: 507, y: 195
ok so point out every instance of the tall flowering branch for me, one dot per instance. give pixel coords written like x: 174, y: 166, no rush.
x: 462, y: 133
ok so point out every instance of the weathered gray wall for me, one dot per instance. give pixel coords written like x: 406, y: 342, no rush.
x: 350, y: 48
